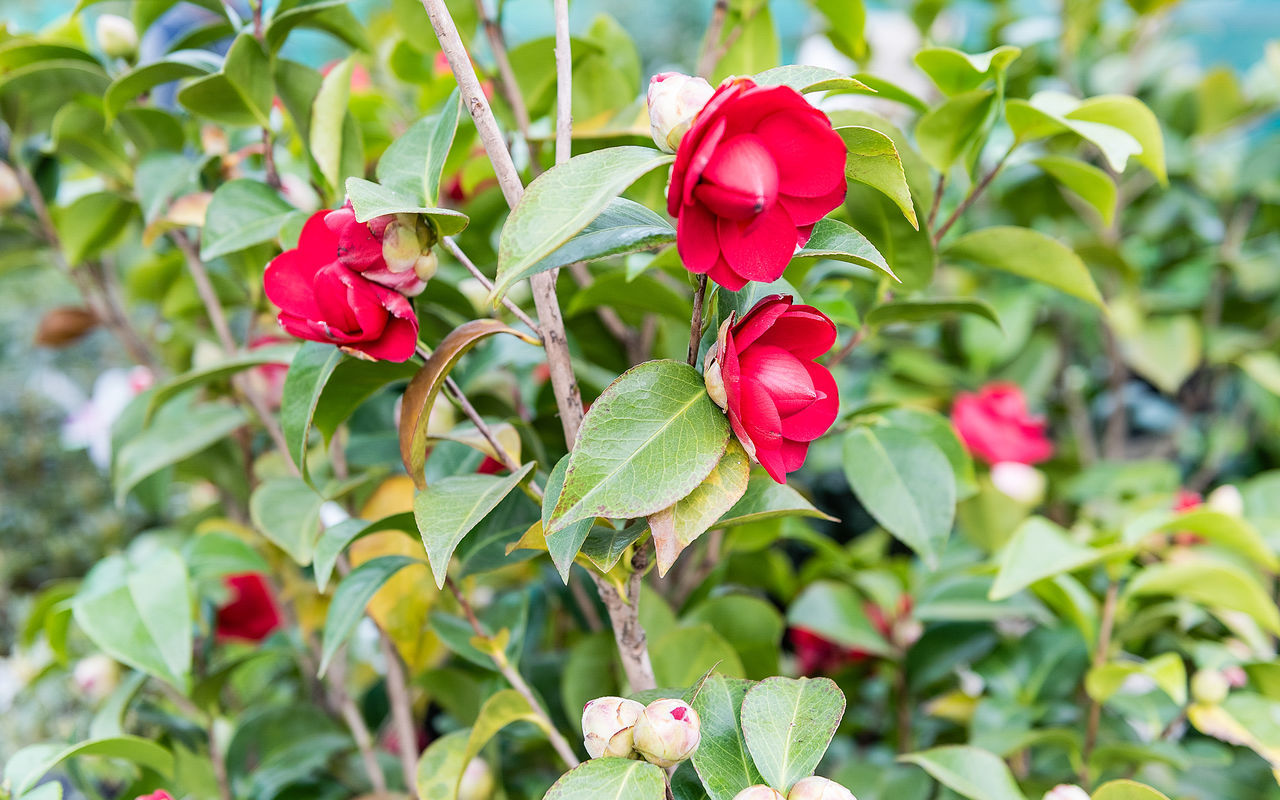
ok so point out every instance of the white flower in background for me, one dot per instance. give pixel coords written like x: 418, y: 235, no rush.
x: 1022, y: 482
x: 116, y: 36
x: 96, y: 676
x: 1226, y: 499
x: 477, y: 781
x: 89, y: 427
x: 1066, y: 791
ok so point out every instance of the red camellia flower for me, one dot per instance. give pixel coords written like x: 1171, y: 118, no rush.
x: 762, y: 372
x: 323, y: 300
x: 251, y: 614
x: 758, y: 167
x: 996, y: 426
x: 362, y: 247
x: 159, y: 794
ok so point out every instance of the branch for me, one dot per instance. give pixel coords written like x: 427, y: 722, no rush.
x: 695, y: 324
x: 1099, y: 658
x: 973, y: 194
x: 564, y: 84
x: 507, y: 82
x: 461, y: 257
x: 401, y: 710
x: 355, y: 723
x: 711, y: 50
x: 558, y: 742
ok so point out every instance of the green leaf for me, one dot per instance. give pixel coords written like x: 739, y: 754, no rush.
x: 563, y: 200
x: 1223, y: 530
x: 833, y: 239
x: 847, y: 21
x: 27, y: 766
x: 623, y: 227
x: 947, y: 132
x: 242, y: 213
x: 80, y: 131
x: 1212, y: 584
x: 929, y: 310
x: 352, y: 597
x: 331, y: 16
x: 1124, y: 789
x: 604, y: 545
x: 764, y: 499
x: 563, y: 545
x: 144, y: 78
x: 1028, y: 254
x: 970, y: 771
x: 722, y: 760
x: 1166, y: 349
x: 303, y: 385
x: 873, y: 159
x: 834, y: 611
x: 1263, y: 368
x: 372, y: 200
x: 788, y: 724
x: 683, y: 654
x: 335, y: 538
x: 214, y: 554
x: 140, y: 614
x: 412, y: 165
x: 752, y: 626
x: 238, y: 95
x: 448, y: 509
x: 955, y: 72
x: 1132, y: 116
x: 328, y: 114
x: 611, y: 778
x: 287, y: 512
x: 1091, y: 184
x: 804, y: 79
x: 1166, y: 670
x: 649, y: 440
x: 91, y: 224
x: 501, y: 709
x: 905, y: 482
x: 643, y: 294
x: 1039, y: 549
x: 207, y: 373
x: 679, y: 526
x: 441, y: 766
x: 1119, y: 126
x: 178, y: 432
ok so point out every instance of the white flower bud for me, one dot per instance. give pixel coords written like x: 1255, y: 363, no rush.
x: 96, y: 676
x: 759, y: 792
x: 1226, y: 499
x: 674, y: 100
x: 426, y: 265
x: 10, y: 188
x: 816, y: 788
x: 400, y: 244
x: 667, y: 732
x: 1209, y: 686
x: 607, y: 726
x: 1022, y: 482
x: 116, y: 36
x: 1066, y: 791
x: 477, y: 781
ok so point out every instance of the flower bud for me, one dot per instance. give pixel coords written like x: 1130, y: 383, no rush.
x: 1022, y: 482
x: 477, y: 781
x: 759, y: 792
x: 96, y: 676
x: 906, y: 632
x: 426, y: 265
x: 1226, y: 499
x: 816, y: 788
x: 10, y: 188
x: 1066, y: 791
x: 116, y: 36
x: 1209, y: 686
x: 667, y: 732
x: 214, y: 141
x: 674, y: 100
x: 607, y: 726
x: 400, y: 244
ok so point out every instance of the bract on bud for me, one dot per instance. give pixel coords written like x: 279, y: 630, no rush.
x: 714, y: 378
x: 607, y: 726
x: 667, y: 732
x: 1066, y: 791
x: 477, y: 781
x: 759, y: 792
x: 10, y: 188
x: 816, y: 788
x: 116, y: 35
x: 674, y: 100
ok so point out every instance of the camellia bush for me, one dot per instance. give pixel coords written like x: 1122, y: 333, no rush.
x: 499, y: 427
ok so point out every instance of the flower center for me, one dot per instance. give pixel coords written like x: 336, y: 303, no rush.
x: 741, y: 180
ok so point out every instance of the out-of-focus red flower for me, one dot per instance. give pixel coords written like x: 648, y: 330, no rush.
x: 758, y: 167
x: 251, y: 614
x: 490, y: 466
x: 1186, y: 500
x: 159, y: 794
x: 996, y: 426
x: 360, y: 80
x: 764, y: 374
x: 818, y: 655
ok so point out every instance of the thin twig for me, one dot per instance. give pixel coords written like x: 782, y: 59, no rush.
x: 461, y: 257
x: 1105, y: 629
x: 973, y: 195
x: 513, y: 676
x: 1116, y: 432
x: 507, y: 82
x: 219, y: 761
x: 711, y: 51
x: 695, y: 324
x: 335, y: 678
x: 937, y: 199
x: 848, y: 348
x: 401, y: 710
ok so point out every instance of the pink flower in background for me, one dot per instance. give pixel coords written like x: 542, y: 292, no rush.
x: 251, y: 614
x: 89, y: 427
x: 159, y: 794
x: 996, y: 426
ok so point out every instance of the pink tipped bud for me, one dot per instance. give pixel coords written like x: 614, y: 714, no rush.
x: 477, y: 781
x: 674, y: 100
x: 815, y: 788
x: 1066, y: 791
x: 667, y: 732
x: 116, y: 35
x: 96, y: 676
x: 760, y: 792
x: 1209, y: 686
x: 607, y: 726
x: 10, y: 188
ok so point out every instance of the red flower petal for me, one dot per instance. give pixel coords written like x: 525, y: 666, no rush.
x: 397, y: 343
x: 759, y: 250
x: 724, y: 275
x: 757, y: 322
x: 288, y: 283
x: 817, y: 418
x: 251, y: 614
x: 759, y: 416
x: 317, y: 244
x: 782, y: 376
x: 741, y: 180
x: 810, y: 155
x: 804, y: 330
x: 697, y: 238
x: 808, y: 210
x: 793, y: 455
x: 698, y: 162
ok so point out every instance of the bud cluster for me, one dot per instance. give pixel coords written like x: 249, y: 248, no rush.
x: 664, y: 733
x: 811, y: 788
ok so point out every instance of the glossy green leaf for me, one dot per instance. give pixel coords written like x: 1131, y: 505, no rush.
x: 242, y: 213
x: 833, y: 239
x: 804, y: 78
x: 448, y: 509
x: 752, y: 626
x: 1166, y: 349
x: 412, y: 165
x: 372, y: 200
x: 80, y: 131
x: 90, y: 224
x: 835, y: 612
x: 649, y: 440
x: 764, y: 499
x: 1132, y: 116
x: 241, y: 93
x: 1124, y: 789
x: 955, y: 72
x: 643, y: 294
x: 605, y: 545
x: 873, y: 159
x: 331, y: 16
x: 563, y: 200
x: 352, y: 597
x: 562, y: 545
x: 287, y: 512
x: 501, y: 709
x: 1028, y: 254
x: 969, y: 771
x: 335, y: 538
x: 27, y: 766
x: 1166, y: 670
x: 905, y: 482
x: 682, y: 655
x: 1039, y: 549
x: 722, y: 760
x: 948, y: 131
x: 178, y: 432
x: 678, y: 526
x: 1091, y: 184
x: 612, y: 778
x: 145, y: 77
x: 788, y: 723
x: 303, y: 385
x: 328, y: 113
x: 1224, y: 530
x: 1212, y: 584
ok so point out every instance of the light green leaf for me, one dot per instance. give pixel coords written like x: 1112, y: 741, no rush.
x: 833, y: 239
x: 330, y: 16
x: 441, y: 766
x: 335, y: 538
x: 1165, y: 349
x: 610, y: 779
x: 303, y: 385
x: 1224, y: 530
x: 371, y: 200
x: 1166, y: 670
x: 561, y: 201
x: 873, y: 159
x: 1124, y: 789
x: 411, y: 166
x: 970, y: 771
x: 955, y: 72
x: 1264, y: 368
x: 242, y: 213
x: 352, y: 597
x: 604, y: 545
x: 1132, y: 116
x: 684, y: 654
x: 1212, y: 584
x: 145, y: 77
x: 948, y: 131
x: 906, y: 484
x: 1039, y: 549
x: 929, y: 310
x: 642, y: 294
x: 91, y: 224
x: 788, y: 724
x: 563, y: 545
x: 178, y: 432
x: 804, y: 79
x: 448, y: 509
x: 287, y: 512
x: 649, y: 440
x: 678, y: 526
x: 1029, y: 254
x: 25, y: 769
x: 1093, y: 185
x: 764, y: 499
x: 751, y: 625
x: 834, y: 611
x: 722, y: 760
x: 238, y: 95
x: 206, y: 373
x: 328, y: 112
